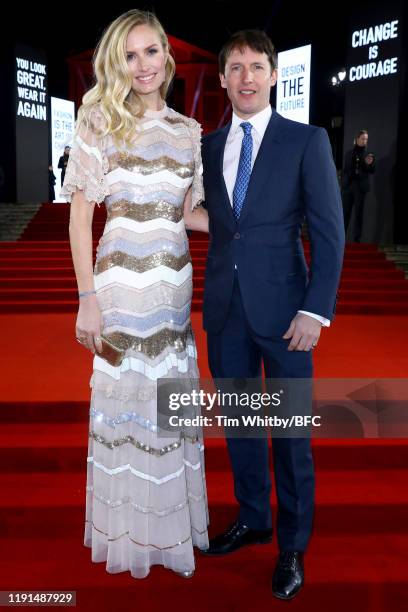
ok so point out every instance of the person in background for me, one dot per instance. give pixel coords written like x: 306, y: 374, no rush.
x: 51, y: 182
x: 358, y: 165
x: 63, y: 162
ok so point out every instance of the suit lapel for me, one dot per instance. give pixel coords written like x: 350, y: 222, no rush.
x: 268, y: 152
x: 218, y: 153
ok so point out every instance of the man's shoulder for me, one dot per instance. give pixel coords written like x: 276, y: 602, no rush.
x: 291, y: 129
x: 210, y: 136
x: 296, y: 128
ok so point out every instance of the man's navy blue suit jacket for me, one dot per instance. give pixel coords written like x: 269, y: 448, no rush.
x: 293, y: 179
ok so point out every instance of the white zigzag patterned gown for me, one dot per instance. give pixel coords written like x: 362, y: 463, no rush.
x: 146, y: 501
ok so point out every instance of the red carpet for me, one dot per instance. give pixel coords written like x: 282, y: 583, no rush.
x: 36, y: 273
x: 357, y: 559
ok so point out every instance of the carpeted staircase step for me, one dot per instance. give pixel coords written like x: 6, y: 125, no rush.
x: 347, y: 308
x: 45, y: 260
x: 379, y: 308
x: 17, y: 251
x: 22, y: 273
x: 348, y: 274
x: 51, y: 236
x: 367, y: 298
x: 57, y: 223
x: 198, y: 264
x: 390, y: 283
x: 58, y: 282
x: 371, y: 278
x: 58, y: 447
x: 195, y: 243
x: 67, y: 306
x: 37, y: 505
x: 35, y: 307
x: 31, y: 412
x: 35, y: 245
x: 365, y: 573
x: 14, y: 218
x: 61, y: 279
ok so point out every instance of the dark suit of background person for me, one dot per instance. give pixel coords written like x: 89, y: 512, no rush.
x: 51, y: 184
x: 63, y: 162
x: 356, y: 183
x: 256, y: 281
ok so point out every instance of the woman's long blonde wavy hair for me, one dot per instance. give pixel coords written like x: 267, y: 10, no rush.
x: 113, y: 92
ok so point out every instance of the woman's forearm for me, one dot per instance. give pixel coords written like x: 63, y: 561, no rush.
x: 80, y: 236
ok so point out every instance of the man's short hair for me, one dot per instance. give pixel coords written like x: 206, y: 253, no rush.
x: 257, y: 40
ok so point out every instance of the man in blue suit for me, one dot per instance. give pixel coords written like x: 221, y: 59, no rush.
x: 263, y: 176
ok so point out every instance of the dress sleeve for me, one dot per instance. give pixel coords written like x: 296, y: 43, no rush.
x: 195, y: 130
x: 87, y: 164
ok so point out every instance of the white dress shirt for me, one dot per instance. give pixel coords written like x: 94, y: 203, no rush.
x: 232, y: 153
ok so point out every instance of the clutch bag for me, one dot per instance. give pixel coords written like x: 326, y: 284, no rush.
x: 111, y: 353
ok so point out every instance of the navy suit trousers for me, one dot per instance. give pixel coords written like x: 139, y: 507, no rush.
x: 239, y: 352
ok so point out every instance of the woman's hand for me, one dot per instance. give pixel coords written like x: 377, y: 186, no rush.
x: 89, y: 323
x: 196, y: 219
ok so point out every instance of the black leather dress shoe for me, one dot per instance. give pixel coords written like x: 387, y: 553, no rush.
x: 235, y: 537
x: 288, y: 576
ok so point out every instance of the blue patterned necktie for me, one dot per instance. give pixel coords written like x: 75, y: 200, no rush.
x: 244, y: 170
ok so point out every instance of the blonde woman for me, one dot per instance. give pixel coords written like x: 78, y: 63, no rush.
x: 146, y: 500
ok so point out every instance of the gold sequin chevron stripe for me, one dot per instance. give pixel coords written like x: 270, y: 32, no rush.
x: 145, y: 212
x: 154, y: 344
x: 145, y: 167
x: 142, y: 264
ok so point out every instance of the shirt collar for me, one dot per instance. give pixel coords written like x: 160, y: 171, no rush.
x: 259, y: 121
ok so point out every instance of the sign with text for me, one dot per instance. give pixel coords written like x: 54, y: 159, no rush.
x: 372, y: 102
x: 31, y: 89
x: 377, y: 53
x: 31, y: 124
x: 62, y: 131
x: 293, y: 85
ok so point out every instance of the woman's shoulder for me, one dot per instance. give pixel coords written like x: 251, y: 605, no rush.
x: 191, y: 123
